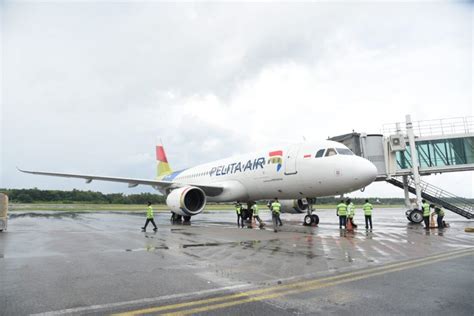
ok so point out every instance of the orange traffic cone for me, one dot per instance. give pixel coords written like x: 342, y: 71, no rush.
x: 349, y: 224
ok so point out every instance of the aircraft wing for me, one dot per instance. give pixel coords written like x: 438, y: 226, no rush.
x: 209, y: 190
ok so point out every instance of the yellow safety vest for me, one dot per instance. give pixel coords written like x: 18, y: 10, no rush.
x: 276, y: 207
x: 149, y: 212
x: 238, y: 209
x: 342, y: 209
x: 351, y: 210
x: 367, y: 209
x: 255, y: 210
x: 426, y: 210
x: 441, y: 212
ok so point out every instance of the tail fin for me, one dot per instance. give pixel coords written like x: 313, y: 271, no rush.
x: 162, y: 166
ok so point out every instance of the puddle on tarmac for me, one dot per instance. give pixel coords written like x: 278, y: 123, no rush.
x: 184, y: 233
x: 208, y: 244
x: 148, y: 248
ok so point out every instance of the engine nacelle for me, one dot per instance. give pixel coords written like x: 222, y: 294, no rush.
x: 294, y: 206
x: 186, y: 201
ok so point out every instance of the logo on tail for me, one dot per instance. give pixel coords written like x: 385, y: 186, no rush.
x: 162, y: 167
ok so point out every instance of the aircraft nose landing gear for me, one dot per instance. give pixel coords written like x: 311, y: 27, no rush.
x: 310, y: 219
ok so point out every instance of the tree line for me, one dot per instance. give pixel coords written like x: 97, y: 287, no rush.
x: 49, y: 196
x: 77, y: 196
x: 46, y: 196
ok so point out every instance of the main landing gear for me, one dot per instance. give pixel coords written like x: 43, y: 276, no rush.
x: 414, y: 216
x: 179, y: 219
x: 311, y: 219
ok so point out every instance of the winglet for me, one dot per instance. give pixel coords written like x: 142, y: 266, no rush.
x: 21, y: 170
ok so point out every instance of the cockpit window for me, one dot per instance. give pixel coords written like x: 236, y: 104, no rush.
x: 331, y: 152
x: 320, y: 153
x: 344, y: 151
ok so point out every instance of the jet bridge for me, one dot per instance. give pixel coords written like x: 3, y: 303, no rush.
x: 404, y: 153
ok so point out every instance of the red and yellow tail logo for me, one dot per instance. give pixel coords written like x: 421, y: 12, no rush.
x: 162, y: 167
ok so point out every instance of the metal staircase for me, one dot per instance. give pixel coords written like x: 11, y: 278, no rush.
x: 458, y: 205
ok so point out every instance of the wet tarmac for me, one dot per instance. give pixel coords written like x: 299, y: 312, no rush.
x: 101, y: 263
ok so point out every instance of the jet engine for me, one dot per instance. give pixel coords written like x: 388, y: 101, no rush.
x: 294, y: 206
x: 186, y: 201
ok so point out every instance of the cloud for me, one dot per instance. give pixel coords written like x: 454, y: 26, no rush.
x: 88, y: 87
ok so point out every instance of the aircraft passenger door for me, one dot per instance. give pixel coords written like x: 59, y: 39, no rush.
x: 290, y: 160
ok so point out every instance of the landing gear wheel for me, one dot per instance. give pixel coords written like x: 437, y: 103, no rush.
x: 415, y: 216
x: 175, y: 218
x: 308, y: 220
x: 315, y: 219
x: 187, y: 220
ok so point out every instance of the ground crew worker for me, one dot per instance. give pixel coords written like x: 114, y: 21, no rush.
x: 255, y: 211
x: 351, y: 212
x: 426, y: 213
x: 439, y: 216
x: 367, y: 207
x: 238, y: 211
x: 276, y: 208
x: 342, y: 213
x: 149, y: 218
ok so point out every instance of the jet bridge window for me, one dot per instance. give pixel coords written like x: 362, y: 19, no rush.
x: 344, y: 151
x: 320, y: 153
x: 331, y: 152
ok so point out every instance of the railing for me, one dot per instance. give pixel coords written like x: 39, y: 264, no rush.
x: 441, y: 194
x: 448, y: 126
x: 458, y: 205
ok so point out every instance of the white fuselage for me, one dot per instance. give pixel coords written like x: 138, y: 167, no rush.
x: 286, y: 172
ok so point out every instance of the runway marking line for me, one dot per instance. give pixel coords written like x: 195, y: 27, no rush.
x: 294, y: 288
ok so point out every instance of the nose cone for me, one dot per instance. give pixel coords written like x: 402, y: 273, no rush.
x: 365, y: 172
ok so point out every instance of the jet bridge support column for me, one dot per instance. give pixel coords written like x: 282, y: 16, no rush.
x: 407, y: 193
x: 414, y: 160
x: 3, y: 211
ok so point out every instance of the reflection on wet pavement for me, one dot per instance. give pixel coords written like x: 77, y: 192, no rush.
x: 106, y: 250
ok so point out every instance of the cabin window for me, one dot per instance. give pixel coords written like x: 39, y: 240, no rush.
x: 331, y: 152
x: 320, y: 153
x: 344, y: 151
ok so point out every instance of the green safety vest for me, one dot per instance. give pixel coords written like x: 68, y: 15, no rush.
x: 441, y: 212
x: 238, y: 209
x: 342, y: 209
x: 426, y: 210
x: 276, y: 207
x: 351, y: 210
x: 149, y: 212
x: 255, y: 210
x: 367, y: 209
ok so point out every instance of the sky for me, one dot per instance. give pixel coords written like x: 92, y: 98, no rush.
x: 89, y: 86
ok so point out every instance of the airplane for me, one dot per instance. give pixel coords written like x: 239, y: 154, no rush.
x: 296, y: 174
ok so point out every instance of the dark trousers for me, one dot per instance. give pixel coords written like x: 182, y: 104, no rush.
x: 439, y: 219
x: 149, y: 220
x: 258, y: 219
x: 240, y: 220
x: 342, y: 221
x: 368, y: 220
x: 426, y: 219
x: 276, y: 220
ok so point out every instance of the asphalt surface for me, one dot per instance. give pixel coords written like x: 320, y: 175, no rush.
x: 101, y: 263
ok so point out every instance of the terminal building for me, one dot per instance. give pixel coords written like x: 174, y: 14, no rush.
x: 403, y: 153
